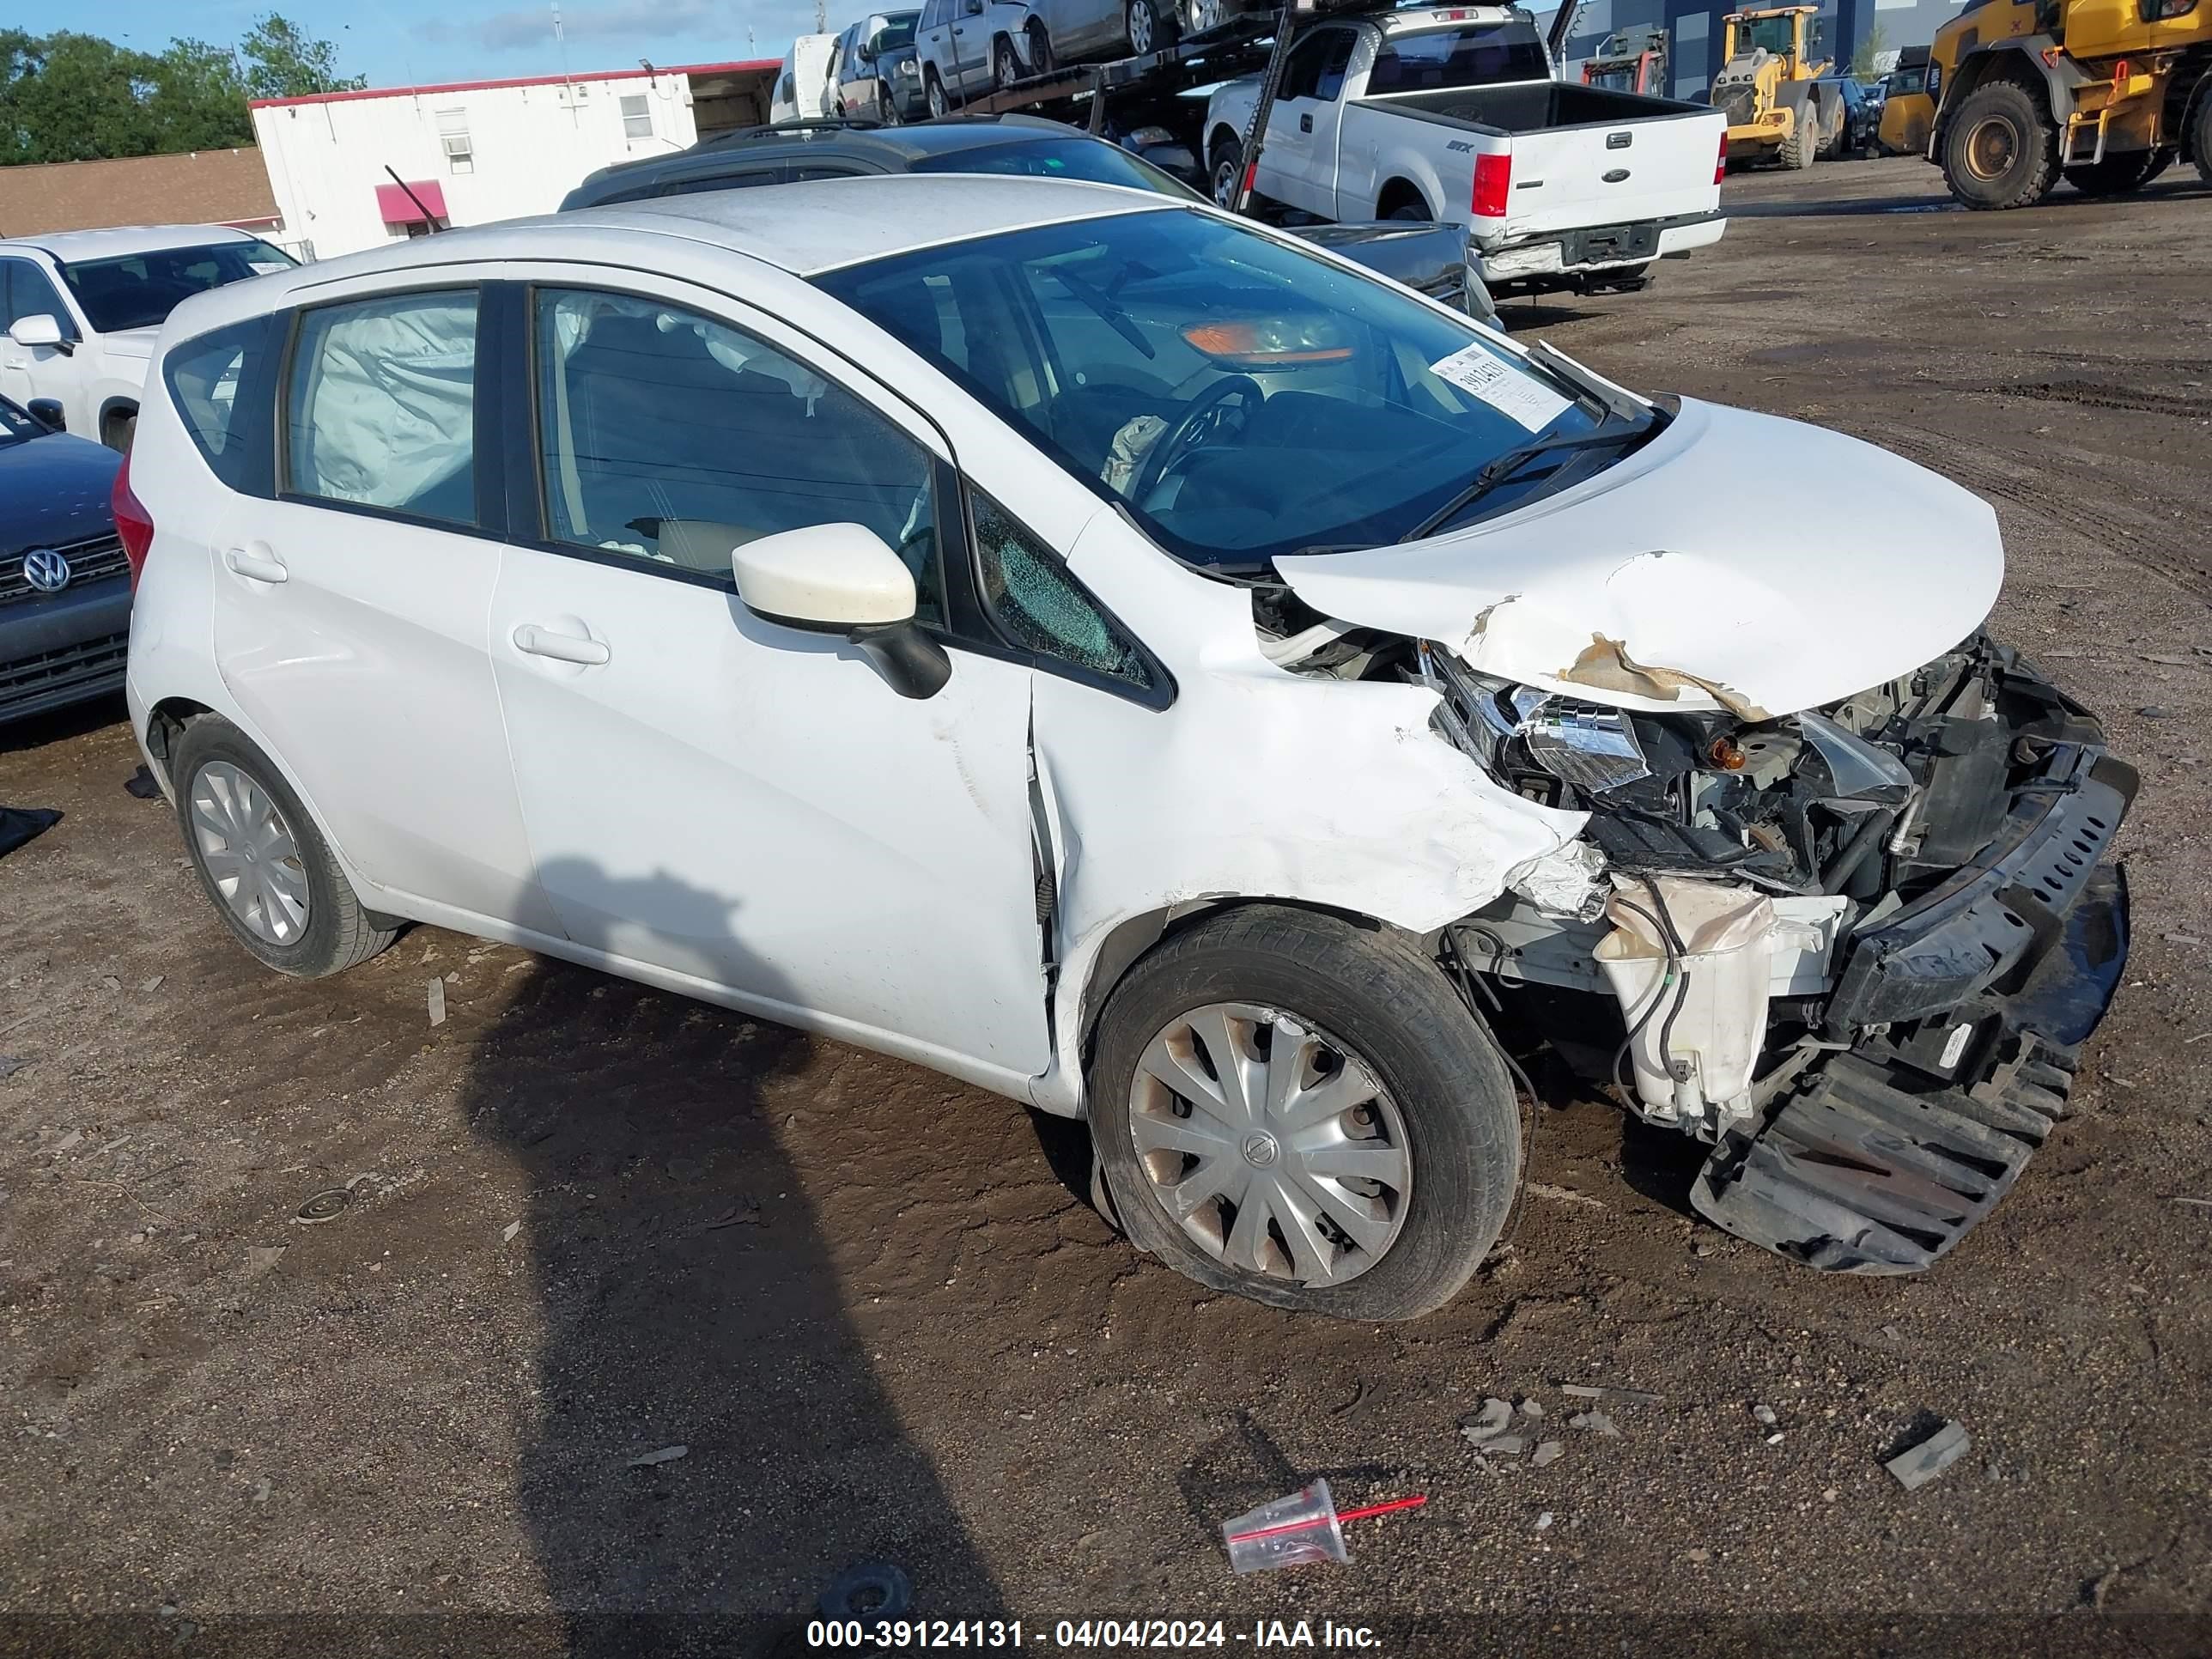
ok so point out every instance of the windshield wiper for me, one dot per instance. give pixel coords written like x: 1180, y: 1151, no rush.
x: 1613, y: 402
x: 1497, y: 471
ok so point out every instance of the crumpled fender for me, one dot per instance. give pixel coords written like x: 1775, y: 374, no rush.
x: 1256, y: 783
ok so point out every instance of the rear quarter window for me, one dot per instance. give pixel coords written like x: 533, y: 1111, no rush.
x: 219, y: 382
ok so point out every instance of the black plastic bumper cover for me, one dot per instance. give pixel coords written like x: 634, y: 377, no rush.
x: 1884, y: 1159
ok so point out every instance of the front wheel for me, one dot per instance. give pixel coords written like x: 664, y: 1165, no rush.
x: 261, y: 861
x: 1006, y: 69
x: 939, y: 105
x: 1804, y: 142
x: 887, y: 109
x: 1200, y: 15
x: 1302, y: 1112
x: 1228, y: 173
x: 1148, y: 31
x: 2200, y: 135
x: 2001, y: 149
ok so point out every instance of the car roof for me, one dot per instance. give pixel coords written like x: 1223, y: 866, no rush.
x: 891, y: 149
x: 119, y: 241
x: 805, y: 228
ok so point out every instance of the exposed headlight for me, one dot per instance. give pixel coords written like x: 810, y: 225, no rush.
x: 1592, y: 747
x: 908, y: 67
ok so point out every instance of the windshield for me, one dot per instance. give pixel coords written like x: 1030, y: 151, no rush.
x: 1472, y: 55
x: 1241, y: 398
x: 1776, y: 34
x: 141, y: 289
x: 1908, y: 80
x: 893, y: 35
x: 1092, y: 160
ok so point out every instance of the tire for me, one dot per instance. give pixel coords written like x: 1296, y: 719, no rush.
x: 120, y: 432
x: 933, y: 90
x: 1200, y: 15
x: 1228, y: 173
x: 1999, y: 149
x: 336, y: 932
x: 1797, y: 150
x: 1412, y: 213
x: 887, y: 109
x: 1159, y: 31
x: 1006, y: 68
x: 2115, y: 175
x: 2200, y: 133
x: 1040, y: 57
x: 1428, y: 1070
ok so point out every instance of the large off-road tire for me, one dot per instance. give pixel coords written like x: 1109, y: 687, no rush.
x: 2001, y: 148
x: 2115, y: 175
x: 261, y: 861
x: 1797, y: 150
x: 1294, y: 1108
x: 2200, y: 134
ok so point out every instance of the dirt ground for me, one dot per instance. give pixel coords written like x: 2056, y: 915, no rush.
x: 589, y: 1221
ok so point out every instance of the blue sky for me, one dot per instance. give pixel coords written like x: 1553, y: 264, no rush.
x: 403, y: 42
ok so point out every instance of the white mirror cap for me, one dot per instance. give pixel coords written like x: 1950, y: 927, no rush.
x: 40, y: 329
x: 826, y: 576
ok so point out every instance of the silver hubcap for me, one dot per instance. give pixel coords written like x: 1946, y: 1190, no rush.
x: 1225, y: 184
x: 1274, y: 1147
x: 1140, y: 26
x: 249, y: 853
x: 1205, y: 15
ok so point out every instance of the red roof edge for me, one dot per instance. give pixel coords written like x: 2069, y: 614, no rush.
x: 754, y: 63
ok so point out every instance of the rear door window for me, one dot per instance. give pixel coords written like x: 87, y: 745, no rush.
x: 381, y: 405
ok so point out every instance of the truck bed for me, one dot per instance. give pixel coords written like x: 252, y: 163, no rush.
x: 1533, y: 106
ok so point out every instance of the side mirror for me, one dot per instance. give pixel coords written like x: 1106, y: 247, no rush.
x: 842, y: 579
x: 38, y: 330
x: 47, y: 412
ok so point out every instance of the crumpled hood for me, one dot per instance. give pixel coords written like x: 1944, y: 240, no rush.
x: 1736, y: 561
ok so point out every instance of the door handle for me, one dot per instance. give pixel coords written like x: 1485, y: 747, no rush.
x: 257, y: 563
x: 1305, y: 124
x: 561, y: 648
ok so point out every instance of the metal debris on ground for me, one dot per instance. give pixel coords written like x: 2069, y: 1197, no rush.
x: 69, y: 1143
x: 326, y: 1206
x: 263, y: 1258
x: 1532, y: 1406
x: 1607, y: 1391
x: 665, y: 1455
x: 1596, y: 1422
x: 1550, y: 1452
x: 437, y: 1002
x: 1923, y: 1462
x: 1489, y: 1421
x: 153, y: 984
x: 1765, y: 1414
x: 2195, y: 1203
x: 507, y: 1233
x: 9, y: 1065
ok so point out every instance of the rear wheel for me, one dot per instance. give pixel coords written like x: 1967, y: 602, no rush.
x: 1200, y: 15
x: 119, y: 431
x: 887, y: 109
x: 261, y: 861
x: 1297, y: 1110
x: 2115, y: 175
x: 2001, y: 149
x: 1041, y: 59
x: 1149, y: 31
x: 2200, y: 135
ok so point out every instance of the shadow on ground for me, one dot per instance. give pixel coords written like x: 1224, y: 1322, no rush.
x: 689, y: 1300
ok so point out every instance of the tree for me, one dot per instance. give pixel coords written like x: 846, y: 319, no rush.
x: 282, y: 62
x: 1870, y: 50
x: 199, y: 99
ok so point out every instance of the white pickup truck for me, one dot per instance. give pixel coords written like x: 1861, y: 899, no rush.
x: 1455, y: 114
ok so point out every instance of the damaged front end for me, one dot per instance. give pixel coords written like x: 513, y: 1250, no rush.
x: 1856, y: 948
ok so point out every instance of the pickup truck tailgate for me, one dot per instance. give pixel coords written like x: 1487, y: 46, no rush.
x: 1587, y: 155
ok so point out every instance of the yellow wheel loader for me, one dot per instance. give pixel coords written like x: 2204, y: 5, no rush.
x: 1775, y: 113
x: 1907, y: 112
x: 2105, y: 93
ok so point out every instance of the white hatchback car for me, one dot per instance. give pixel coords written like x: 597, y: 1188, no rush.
x: 1138, y: 663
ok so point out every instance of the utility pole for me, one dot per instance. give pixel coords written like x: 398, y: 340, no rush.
x: 821, y: 17
x: 568, y: 87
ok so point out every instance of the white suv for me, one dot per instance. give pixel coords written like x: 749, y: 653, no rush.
x: 79, y: 311
x: 1143, y: 665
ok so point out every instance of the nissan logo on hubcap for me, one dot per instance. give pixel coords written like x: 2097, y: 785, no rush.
x: 1259, y: 1149
x: 46, y: 570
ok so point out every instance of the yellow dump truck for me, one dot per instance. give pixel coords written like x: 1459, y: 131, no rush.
x: 2105, y: 93
x: 1768, y: 68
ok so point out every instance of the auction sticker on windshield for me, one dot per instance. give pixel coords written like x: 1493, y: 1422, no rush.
x: 1509, y: 392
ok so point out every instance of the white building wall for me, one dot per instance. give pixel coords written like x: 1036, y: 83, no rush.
x: 529, y: 146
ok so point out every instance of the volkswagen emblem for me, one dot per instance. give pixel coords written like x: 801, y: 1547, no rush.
x: 46, y: 570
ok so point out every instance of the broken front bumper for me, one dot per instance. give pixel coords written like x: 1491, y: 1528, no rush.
x: 1965, y: 1013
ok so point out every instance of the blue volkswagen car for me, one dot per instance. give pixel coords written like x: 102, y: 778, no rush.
x: 64, y: 585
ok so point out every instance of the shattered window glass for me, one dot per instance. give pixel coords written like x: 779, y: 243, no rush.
x: 1039, y: 604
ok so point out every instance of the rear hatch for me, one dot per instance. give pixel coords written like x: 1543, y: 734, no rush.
x: 1590, y: 155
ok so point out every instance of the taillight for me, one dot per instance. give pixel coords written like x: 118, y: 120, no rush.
x: 1493, y: 182
x: 133, y: 523
x: 1720, y: 161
